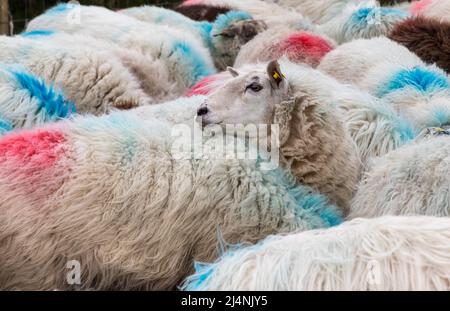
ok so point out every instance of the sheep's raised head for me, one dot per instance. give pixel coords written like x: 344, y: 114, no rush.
x: 247, y: 98
x: 228, y: 35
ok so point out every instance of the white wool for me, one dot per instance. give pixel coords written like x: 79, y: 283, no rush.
x: 95, y: 81
x: 412, y: 180
x: 437, y: 9
x: 157, y: 41
x: 151, y: 73
x: 388, y: 253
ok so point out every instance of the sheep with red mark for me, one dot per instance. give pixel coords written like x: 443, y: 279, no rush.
x: 436, y: 9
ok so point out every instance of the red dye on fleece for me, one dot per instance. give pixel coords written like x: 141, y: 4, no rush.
x: 419, y: 6
x: 204, y: 86
x: 192, y: 2
x: 32, y: 151
x: 303, y: 47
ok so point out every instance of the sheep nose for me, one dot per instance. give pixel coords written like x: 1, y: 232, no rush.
x: 202, y: 111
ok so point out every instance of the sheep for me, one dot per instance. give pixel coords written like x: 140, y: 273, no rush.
x: 95, y: 81
x: 319, y: 152
x: 419, y: 92
x: 375, y: 127
x: 113, y: 193
x: 28, y: 101
x: 411, y: 180
x: 200, y: 12
x: 152, y: 74
x: 427, y: 38
x: 271, y: 13
x: 386, y: 253
x: 223, y: 38
x: 436, y: 9
x: 362, y: 20
x: 185, y: 56
x: 297, y: 45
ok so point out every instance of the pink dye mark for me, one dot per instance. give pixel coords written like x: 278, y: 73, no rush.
x: 418, y: 7
x: 192, y: 2
x: 303, y: 47
x: 207, y: 84
x: 31, y: 151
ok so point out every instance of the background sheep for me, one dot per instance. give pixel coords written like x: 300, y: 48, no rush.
x: 412, y: 180
x: 201, y: 12
x: 314, y: 142
x: 388, y: 253
x: 390, y: 71
x: 223, y: 38
x: 145, y: 214
x: 27, y: 101
x: 152, y: 74
x: 271, y: 13
x: 95, y: 81
x: 426, y: 37
x: 185, y: 56
x: 437, y: 9
x: 297, y: 45
x: 362, y: 20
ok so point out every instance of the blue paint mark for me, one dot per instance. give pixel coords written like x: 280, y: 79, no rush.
x: 368, y: 15
x: 38, y: 33
x: 60, y: 8
x: 198, y: 68
x: 224, y: 20
x: 205, y: 31
x: 5, y: 126
x: 420, y: 79
x: 51, y: 101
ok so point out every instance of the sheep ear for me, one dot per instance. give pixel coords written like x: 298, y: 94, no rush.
x: 233, y: 71
x: 275, y: 75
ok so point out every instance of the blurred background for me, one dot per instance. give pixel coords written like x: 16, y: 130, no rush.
x: 15, y: 14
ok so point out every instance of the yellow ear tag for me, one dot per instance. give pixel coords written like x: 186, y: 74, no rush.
x: 276, y: 76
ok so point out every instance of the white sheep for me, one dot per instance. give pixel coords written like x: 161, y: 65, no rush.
x: 184, y: 55
x: 412, y: 180
x: 374, y: 125
x: 436, y: 9
x: 298, y: 45
x: 223, y: 37
x: 390, y: 71
x: 27, y: 101
x: 152, y: 74
x: 95, y: 81
x: 387, y: 253
x: 362, y: 20
x: 112, y: 193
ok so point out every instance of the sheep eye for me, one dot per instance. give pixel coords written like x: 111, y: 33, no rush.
x: 255, y: 87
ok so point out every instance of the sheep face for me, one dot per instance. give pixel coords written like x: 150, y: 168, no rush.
x: 228, y: 42
x: 247, y: 98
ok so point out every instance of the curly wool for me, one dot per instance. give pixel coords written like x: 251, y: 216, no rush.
x: 387, y: 253
x: 95, y: 81
x: 411, y: 180
x: 145, y: 215
x: 427, y: 38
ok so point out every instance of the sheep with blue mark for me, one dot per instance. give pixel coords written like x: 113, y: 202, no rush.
x: 95, y: 81
x: 386, y: 253
x: 28, y: 101
x: 152, y: 74
x: 183, y: 54
x: 223, y: 37
x: 419, y: 92
x: 362, y: 20
x: 146, y: 213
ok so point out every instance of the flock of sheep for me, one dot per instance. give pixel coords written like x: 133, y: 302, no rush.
x: 360, y: 200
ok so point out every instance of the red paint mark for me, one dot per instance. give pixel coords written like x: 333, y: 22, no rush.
x: 31, y: 151
x: 192, y: 2
x: 303, y: 47
x: 206, y: 85
x: 419, y: 6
